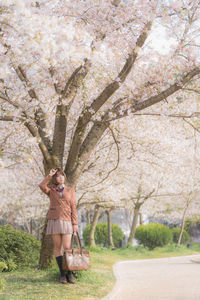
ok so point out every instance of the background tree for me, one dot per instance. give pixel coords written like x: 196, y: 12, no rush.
x: 93, y: 225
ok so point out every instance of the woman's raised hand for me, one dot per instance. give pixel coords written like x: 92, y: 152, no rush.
x: 52, y: 172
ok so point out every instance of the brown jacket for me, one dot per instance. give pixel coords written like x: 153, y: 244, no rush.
x: 64, y: 207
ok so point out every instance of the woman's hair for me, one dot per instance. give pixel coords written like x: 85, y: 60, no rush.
x: 58, y: 172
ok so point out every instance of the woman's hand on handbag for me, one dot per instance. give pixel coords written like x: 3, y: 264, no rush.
x: 75, y: 228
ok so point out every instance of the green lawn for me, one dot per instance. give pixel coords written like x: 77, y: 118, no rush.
x: 93, y: 284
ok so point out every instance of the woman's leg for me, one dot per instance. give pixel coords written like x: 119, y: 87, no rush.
x: 57, y: 240
x: 66, y: 242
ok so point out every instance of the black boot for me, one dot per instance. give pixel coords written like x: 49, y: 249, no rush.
x: 62, y: 273
x: 70, y: 277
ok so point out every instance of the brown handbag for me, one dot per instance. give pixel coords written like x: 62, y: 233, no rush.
x: 76, y: 259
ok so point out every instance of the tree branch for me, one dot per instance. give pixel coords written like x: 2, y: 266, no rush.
x: 118, y: 158
x: 22, y: 76
x: 168, y: 92
x: 52, y: 71
x: 39, y: 114
x: 102, y: 98
x: 195, y: 128
x: 59, y: 134
x: 112, y: 87
x: 148, y: 196
x: 10, y: 118
x: 34, y: 131
x: 4, y: 96
x: 62, y: 111
x: 75, y: 80
x: 154, y: 99
x: 87, y: 147
x: 195, y: 114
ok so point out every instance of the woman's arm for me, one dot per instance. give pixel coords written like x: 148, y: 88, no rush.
x: 43, y: 185
x: 74, y: 214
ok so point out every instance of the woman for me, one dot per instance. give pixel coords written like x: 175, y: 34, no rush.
x: 62, y: 216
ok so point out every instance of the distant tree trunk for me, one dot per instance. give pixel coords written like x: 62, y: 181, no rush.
x: 183, y: 221
x: 93, y: 226
x: 137, y: 207
x: 134, y: 225
x: 182, y: 228
x: 88, y: 216
x: 110, y: 238
x: 31, y: 226
x: 141, y: 219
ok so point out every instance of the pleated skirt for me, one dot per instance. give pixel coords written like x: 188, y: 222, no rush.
x: 59, y: 227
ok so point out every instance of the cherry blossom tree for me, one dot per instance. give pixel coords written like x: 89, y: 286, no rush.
x: 186, y: 203
x: 166, y: 157
x: 71, y: 68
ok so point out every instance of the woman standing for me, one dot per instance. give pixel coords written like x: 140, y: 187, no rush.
x: 62, y: 216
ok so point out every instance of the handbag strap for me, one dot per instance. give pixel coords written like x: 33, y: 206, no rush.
x: 78, y: 241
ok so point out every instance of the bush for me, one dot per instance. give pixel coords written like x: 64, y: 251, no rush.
x: 101, y: 234
x: 189, y: 224
x: 17, y: 248
x: 3, y: 266
x: 153, y: 235
x: 176, y: 232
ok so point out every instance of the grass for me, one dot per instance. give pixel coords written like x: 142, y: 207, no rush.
x: 93, y: 284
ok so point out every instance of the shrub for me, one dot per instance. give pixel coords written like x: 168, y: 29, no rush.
x: 176, y: 232
x: 189, y: 224
x: 17, y: 248
x: 3, y: 266
x: 153, y: 235
x: 101, y: 234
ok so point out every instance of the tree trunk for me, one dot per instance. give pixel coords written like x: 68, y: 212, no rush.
x: 46, y: 251
x: 183, y: 220
x: 182, y: 227
x: 110, y: 238
x: 88, y: 216
x: 93, y: 226
x: 141, y: 219
x: 47, y: 247
x: 59, y: 134
x: 133, y: 226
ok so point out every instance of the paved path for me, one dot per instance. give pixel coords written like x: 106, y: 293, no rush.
x: 175, y: 278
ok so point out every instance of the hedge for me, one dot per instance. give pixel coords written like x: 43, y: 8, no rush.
x: 101, y: 234
x: 176, y: 233
x: 154, y: 235
x: 17, y: 248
